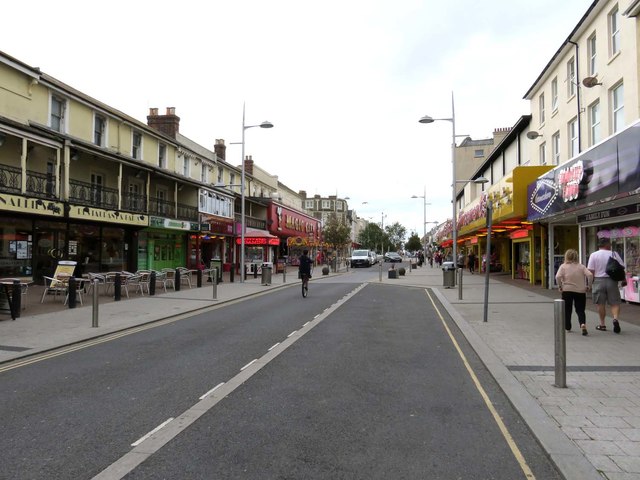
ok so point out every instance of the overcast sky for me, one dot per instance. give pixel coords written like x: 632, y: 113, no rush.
x: 343, y: 81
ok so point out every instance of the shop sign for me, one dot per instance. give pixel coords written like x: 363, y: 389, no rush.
x: 543, y: 196
x: 258, y: 241
x: 610, y: 213
x: 38, y: 206
x: 574, y: 180
x: 101, y: 215
x: 286, y: 222
x: 159, y: 222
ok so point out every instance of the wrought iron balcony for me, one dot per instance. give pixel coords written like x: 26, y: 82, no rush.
x: 10, y: 179
x: 134, y: 202
x: 83, y: 193
x: 188, y: 212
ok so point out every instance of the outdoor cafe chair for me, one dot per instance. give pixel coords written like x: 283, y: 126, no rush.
x: 185, y: 276
x: 169, y: 277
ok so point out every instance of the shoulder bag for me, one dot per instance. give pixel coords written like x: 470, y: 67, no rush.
x: 615, y: 270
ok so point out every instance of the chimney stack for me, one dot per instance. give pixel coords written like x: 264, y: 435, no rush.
x: 168, y: 124
x: 248, y: 165
x: 220, y: 149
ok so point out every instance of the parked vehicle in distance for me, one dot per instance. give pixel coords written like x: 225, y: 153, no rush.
x: 374, y: 257
x: 360, y: 258
x: 392, y: 257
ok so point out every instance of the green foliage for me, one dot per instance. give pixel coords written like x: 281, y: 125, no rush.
x: 395, y: 236
x: 372, y: 237
x: 413, y: 244
x: 335, y: 232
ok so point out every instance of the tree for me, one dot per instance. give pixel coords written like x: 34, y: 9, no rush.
x: 336, y: 233
x: 371, y: 237
x: 413, y: 244
x: 396, y: 234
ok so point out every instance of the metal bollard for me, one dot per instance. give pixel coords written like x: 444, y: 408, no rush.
x: 177, y: 281
x: 380, y: 271
x: 232, y: 272
x: 199, y: 278
x: 94, y: 314
x: 152, y: 283
x: 560, y: 344
x: 215, y: 284
x: 460, y: 284
x: 255, y: 270
x: 117, y: 285
x: 72, y: 292
x: 16, y: 300
x: 284, y: 274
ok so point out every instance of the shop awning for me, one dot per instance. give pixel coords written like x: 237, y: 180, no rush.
x: 446, y: 243
x: 255, y: 236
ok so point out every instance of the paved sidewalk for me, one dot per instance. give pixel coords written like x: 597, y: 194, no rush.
x: 591, y: 429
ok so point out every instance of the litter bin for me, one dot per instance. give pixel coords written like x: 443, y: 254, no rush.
x: 267, y: 268
x: 448, y: 275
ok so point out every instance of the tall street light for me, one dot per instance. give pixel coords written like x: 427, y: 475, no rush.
x: 424, y: 220
x: 428, y: 119
x: 242, y: 186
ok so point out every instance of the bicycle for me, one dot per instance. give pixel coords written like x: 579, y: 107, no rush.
x: 305, y: 283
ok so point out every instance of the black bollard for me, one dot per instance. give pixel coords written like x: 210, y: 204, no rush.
x: 177, y: 282
x: 152, y: 283
x: 72, y: 292
x: 117, y: 285
x: 232, y: 273
x: 255, y: 270
x: 199, y: 278
x: 16, y: 300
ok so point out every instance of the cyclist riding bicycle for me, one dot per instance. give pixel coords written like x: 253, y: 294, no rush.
x: 304, y: 271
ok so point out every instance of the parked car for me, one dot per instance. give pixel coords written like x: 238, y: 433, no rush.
x: 360, y: 258
x: 374, y: 257
x: 392, y: 257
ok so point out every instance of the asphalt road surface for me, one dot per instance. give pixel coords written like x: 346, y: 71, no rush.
x: 352, y: 382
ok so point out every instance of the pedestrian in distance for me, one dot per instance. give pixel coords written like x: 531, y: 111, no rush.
x: 471, y: 259
x: 574, y: 280
x: 605, y: 289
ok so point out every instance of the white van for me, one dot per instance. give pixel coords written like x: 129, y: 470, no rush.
x: 360, y: 258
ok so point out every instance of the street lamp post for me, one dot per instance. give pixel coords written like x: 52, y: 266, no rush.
x: 424, y: 212
x: 242, y: 187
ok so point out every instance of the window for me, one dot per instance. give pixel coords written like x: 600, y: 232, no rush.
x: 57, y: 119
x: 479, y: 153
x: 617, y: 108
x: 135, y: 200
x: 99, y: 126
x: 162, y: 155
x: 204, y: 175
x: 541, y: 108
x: 185, y: 165
x: 232, y: 179
x: 136, y: 145
x: 97, y: 183
x: 591, y: 52
x: 572, y: 134
x: 220, y: 175
x: 543, y: 154
x: 555, y: 148
x: 614, y: 31
x: 554, y: 94
x: 163, y: 207
x: 308, y: 204
x: 594, y: 123
x: 326, y: 204
x: 571, y: 77
x: 50, y: 183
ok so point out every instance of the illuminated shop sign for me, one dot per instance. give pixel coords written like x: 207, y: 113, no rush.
x: 258, y: 241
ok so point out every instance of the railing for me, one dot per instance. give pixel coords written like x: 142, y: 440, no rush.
x: 41, y: 184
x: 162, y: 208
x: 134, y: 202
x: 84, y: 193
x: 187, y: 212
x: 10, y: 179
x: 252, y: 222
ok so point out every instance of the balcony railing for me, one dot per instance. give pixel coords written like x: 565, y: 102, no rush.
x: 134, y: 202
x: 252, y: 222
x: 188, y: 212
x: 41, y: 184
x: 10, y: 179
x: 83, y: 193
x: 162, y: 208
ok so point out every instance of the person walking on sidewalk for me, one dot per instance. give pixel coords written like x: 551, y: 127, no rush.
x: 471, y: 260
x: 605, y: 289
x: 574, y: 279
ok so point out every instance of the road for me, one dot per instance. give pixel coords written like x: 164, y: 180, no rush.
x: 356, y: 381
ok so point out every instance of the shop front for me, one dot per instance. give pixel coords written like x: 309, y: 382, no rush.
x: 168, y: 243
x: 259, y: 247
x: 594, y: 195
x: 216, y: 242
x: 296, y: 231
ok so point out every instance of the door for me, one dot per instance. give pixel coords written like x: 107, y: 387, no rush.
x: 50, y: 245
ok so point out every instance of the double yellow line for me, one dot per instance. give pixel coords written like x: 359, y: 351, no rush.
x: 503, y: 428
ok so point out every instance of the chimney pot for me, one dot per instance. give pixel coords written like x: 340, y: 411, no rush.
x: 153, y: 112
